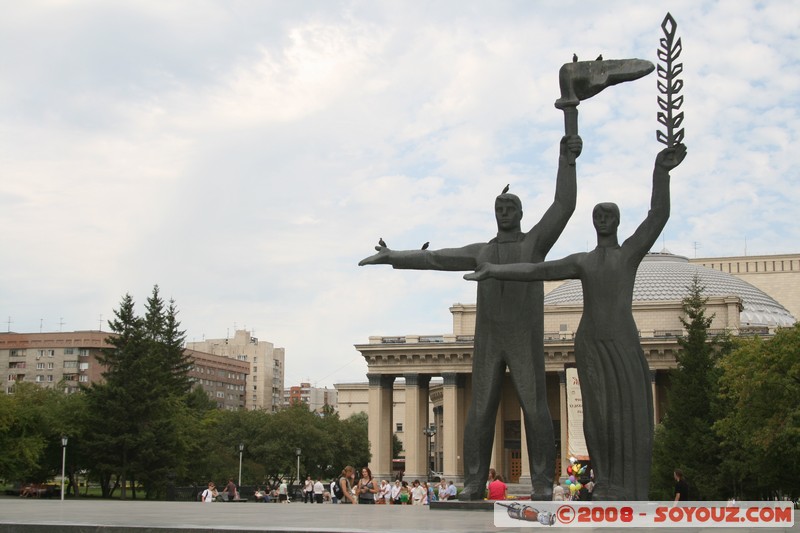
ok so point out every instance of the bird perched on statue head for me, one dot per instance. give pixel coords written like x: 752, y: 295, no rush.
x: 505, y: 189
x: 381, y: 242
x: 425, y: 246
x: 574, y: 58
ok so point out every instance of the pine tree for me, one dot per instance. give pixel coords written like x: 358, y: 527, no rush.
x: 177, y: 362
x: 138, y: 407
x: 686, y: 439
x: 116, y: 405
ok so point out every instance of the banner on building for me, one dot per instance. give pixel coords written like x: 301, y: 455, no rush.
x: 576, y: 443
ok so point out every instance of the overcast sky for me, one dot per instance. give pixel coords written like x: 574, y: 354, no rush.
x: 244, y: 156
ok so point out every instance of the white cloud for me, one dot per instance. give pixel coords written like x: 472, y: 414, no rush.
x: 246, y: 156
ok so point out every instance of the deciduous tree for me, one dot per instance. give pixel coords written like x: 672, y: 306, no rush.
x: 760, y: 429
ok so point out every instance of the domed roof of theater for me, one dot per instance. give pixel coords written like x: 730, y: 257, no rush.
x: 667, y: 277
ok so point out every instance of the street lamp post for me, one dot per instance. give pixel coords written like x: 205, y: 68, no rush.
x: 241, y: 449
x: 297, y: 452
x: 429, y: 432
x: 63, y: 463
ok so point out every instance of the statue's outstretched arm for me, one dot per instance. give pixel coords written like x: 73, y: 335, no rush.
x: 557, y: 215
x: 566, y: 268
x: 452, y: 259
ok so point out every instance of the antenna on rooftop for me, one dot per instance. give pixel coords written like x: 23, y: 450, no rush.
x: 61, y: 323
x: 100, y: 325
x: 41, y: 323
x: 696, y: 246
x: 9, y: 324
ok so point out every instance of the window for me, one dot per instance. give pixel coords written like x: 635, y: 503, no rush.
x: 255, y: 369
x: 18, y: 353
x: 39, y: 379
x: 69, y: 351
x: 39, y: 366
x: 48, y: 353
x: 83, y: 366
x: 70, y: 364
x: 399, y: 427
x: 83, y: 379
x: 50, y: 366
x: 50, y: 378
x: 84, y: 352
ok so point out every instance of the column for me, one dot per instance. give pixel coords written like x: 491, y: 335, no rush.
x: 416, y: 443
x: 453, y: 427
x: 437, y: 440
x: 562, y: 403
x: 380, y: 424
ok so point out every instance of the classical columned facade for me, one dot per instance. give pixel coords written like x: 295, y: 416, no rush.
x: 448, y: 360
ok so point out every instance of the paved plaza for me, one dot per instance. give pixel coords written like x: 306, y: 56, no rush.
x: 100, y: 516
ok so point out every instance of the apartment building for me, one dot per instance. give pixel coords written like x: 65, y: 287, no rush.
x: 315, y: 398
x: 68, y: 360
x: 264, y: 387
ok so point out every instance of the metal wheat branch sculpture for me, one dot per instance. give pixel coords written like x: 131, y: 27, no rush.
x: 669, y: 85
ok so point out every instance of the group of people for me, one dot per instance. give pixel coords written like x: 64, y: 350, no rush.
x: 211, y: 494
x: 314, y: 491
x: 368, y: 491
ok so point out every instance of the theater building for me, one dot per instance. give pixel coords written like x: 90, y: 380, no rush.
x: 419, y: 381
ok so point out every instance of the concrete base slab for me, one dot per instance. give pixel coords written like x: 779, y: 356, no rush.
x: 457, y: 505
x: 100, y: 516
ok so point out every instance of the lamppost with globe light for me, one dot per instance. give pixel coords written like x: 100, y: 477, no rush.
x: 297, y: 452
x: 241, y: 449
x: 64, y: 440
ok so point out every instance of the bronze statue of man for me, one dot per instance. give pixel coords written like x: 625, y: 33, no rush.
x: 509, y: 327
x: 613, y: 371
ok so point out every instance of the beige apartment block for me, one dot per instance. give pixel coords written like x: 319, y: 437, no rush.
x: 222, y: 378
x: 420, y: 380
x: 54, y: 360
x: 69, y: 359
x: 264, y: 387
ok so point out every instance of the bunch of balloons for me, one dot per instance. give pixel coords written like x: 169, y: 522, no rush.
x: 574, y: 470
